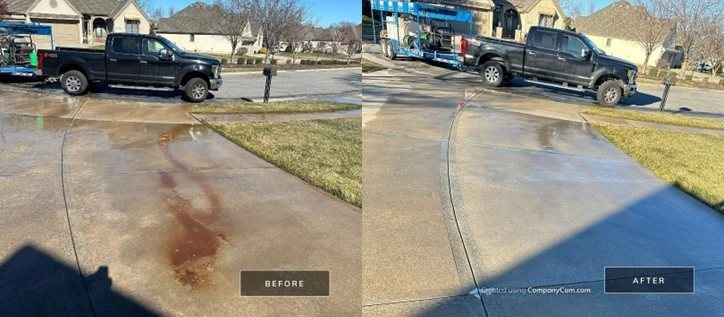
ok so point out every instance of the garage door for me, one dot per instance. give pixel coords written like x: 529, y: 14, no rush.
x: 65, y: 33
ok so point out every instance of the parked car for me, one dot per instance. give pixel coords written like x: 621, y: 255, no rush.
x: 133, y: 59
x: 552, y: 56
x: 703, y: 67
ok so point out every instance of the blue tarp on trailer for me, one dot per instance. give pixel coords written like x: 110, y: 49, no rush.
x: 26, y: 28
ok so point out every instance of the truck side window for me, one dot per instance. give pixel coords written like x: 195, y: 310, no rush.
x: 152, y: 47
x: 125, y: 45
x: 572, y: 45
x: 545, y: 40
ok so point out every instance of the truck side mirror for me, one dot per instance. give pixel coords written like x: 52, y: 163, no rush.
x: 585, y: 53
x: 165, y: 55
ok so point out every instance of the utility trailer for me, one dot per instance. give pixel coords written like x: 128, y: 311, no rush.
x: 18, y: 53
x: 421, y: 30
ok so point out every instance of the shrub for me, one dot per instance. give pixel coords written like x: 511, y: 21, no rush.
x: 289, y: 61
x: 706, y: 79
x: 242, y: 51
x: 259, y: 60
x: 241, y: 60
x: 662, y: 73
x: 673, y: 74
x: 721, y: 81
x: 223, y: 61
x: 273, y: 61
x: 320, y: 62
x: 688, y: 77
x: 263, y: 50
x: 250, y: 60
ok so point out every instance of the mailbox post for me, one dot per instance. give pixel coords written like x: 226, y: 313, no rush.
x: 668, y: 82
x: 268, y: 71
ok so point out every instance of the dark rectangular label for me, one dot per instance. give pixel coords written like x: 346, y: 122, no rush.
x: 284, y: 283
x: 645, y: 280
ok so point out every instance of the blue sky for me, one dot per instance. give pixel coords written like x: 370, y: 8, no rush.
x: 327, y: 11
x: 585, y: 4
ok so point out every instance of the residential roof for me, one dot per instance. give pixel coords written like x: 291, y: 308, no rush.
x: 613, y: 21
x: 90, y: 7
x: 197, y: 18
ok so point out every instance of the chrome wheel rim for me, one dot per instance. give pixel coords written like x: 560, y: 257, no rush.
x: 72, y: 83
x: 610, y: 95
x: 197, y: 91
x: 492, y: 74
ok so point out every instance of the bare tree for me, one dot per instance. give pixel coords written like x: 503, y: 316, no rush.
x: 650, y: 31
x: 295, y: 35
x: 591, y: 8
x: 231, y: 21
x: 156, y: 13
x: 571, y: 8
x: 146, y: 5
x: 170, y: 12
x: 691, y: 17
x: 712, y: 46
x: 350, y: 37
x: 335, y: 35
x: 275, y: 17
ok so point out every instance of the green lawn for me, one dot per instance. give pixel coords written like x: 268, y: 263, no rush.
x: 293, y: 106
x: 370, y: 67
x: 690, y: 161
x: 326, y: 153
x: 657, y: 117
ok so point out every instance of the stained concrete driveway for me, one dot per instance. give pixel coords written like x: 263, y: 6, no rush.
x: 515, y: 192
x: 159, y: 214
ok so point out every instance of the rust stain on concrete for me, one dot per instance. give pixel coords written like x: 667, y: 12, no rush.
x: 193, y: 248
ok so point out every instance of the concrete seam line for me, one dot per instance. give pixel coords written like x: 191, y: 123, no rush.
x: 452, y: 202
x: 65, y: 203
x: 413, y: 300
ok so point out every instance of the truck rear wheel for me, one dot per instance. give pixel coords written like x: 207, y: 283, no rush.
x: 492, y: 74
x: 390, y: 51
x: 74, y: 83
x: 196, y: 90
x: 609, y: 93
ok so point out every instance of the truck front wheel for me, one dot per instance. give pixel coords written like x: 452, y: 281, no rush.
x: 74, y: 83
x: 609, y: 93
x: 196, y: 90
x: 492, y: 74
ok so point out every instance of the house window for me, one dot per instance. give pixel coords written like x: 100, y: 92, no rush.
x: 192, y: 38
x: 497, y: 12
x: 133, y: 26
x: 545, y: 20
x: 608, y: 42
x: 99, y: 27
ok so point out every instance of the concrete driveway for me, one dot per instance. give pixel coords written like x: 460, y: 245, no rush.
x: 515, y: 192
x: 158, y: 213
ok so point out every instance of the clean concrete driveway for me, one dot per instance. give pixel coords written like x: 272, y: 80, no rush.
x: 515, y: 192
x: 159, y: 214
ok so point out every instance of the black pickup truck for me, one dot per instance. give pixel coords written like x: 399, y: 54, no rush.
x: 552, y: 56
x: 134, y: 60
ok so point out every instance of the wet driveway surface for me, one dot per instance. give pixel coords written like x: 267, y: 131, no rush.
x: 159, y: 213
x: 512, y: 192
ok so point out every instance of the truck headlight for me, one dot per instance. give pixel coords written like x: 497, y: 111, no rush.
x: 216, y: 69
x: 631, y: 76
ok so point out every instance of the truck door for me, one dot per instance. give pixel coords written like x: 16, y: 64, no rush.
x: 122, y: 59
x: 155, y: 70
x: 576, y: 69
x: 541, y: 57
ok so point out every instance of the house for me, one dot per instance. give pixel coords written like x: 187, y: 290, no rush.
x: 195, y: 29
x: 507, y: 19
x: 612, y: 29
x: 80, y: 22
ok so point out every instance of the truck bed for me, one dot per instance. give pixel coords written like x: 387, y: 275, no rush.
x: 93, y: 60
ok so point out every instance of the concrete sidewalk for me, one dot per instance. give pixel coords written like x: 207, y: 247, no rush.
x: 163, y: 216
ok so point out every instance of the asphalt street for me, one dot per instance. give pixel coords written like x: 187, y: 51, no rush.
x: 114, y: 208
x: 327, y: 84
x: 691, y: 100
x: 515, y: 192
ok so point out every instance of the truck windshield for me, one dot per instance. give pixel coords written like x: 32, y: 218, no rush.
x: 595, y: 48
x: 170, y: 44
